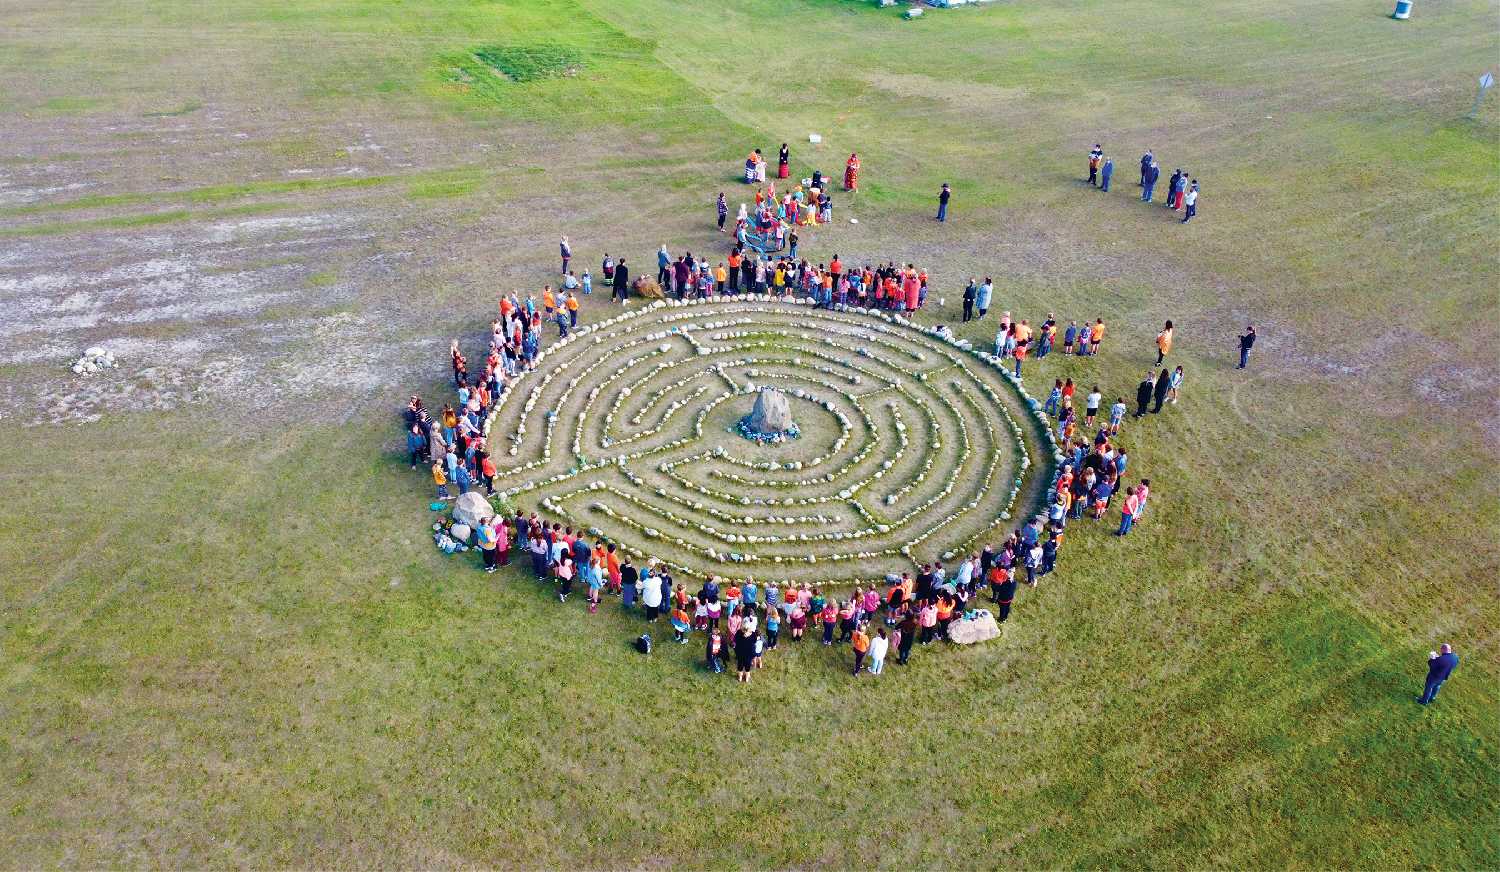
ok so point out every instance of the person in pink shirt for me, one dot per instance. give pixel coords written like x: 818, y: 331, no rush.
x: 1128, y: 511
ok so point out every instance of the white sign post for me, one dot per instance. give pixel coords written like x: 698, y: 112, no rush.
x: 1486, y: 82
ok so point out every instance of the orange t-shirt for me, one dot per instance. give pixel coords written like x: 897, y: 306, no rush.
x: 572, y: 304
x: 734, y: 261
x: 1096, y: 333
x: 861, y: 641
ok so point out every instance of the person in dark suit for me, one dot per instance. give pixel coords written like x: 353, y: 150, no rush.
x: 1143, y: 393
x: 621, y: 281
x: 1159, y: 391
x: 1439, y: 667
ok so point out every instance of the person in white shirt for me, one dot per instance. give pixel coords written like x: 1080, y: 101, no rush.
x: 1191, y: 202
x: 878, y: 646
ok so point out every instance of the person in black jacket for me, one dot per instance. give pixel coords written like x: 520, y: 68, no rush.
x: 1439, y: 667
x: 744, y: 653
x: 1143, y: 394
x: 1246, y: 341
x: 1159, y: 392
x: 969, y: 293
x: 1005, y: 595
x: 622, y: 277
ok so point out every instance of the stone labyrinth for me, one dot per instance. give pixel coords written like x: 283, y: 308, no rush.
x: 910, y: 447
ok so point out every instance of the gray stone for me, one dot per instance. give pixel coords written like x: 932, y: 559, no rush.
x: 471, y: 508
x: 771, y: 413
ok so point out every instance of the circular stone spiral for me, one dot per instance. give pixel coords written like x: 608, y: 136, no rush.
x: 909, y: 448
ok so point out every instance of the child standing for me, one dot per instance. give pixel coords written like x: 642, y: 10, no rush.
x: 1091, y: 406
x: 715, y: 652
x: 878, y: 646
x: 1116, y: 416
x: 680, y: 626
x: 442, y: 481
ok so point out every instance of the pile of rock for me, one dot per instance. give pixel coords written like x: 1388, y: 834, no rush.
x: 95, y: 359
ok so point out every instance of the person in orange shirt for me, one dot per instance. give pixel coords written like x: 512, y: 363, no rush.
x: 861, y: 647
x: 1163, y: 343
x: 549, y: 301
x: 572, y: 305
x: 735, y: 259
x: 1096, y: 335
x: 721, y: 277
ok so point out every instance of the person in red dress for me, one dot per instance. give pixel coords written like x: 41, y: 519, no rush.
x: 851, y: 173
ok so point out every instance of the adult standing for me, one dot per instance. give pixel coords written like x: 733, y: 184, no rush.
x: 1106, y: 173
x: 1146, y: 160
x: 1190, y: 201
x: 1005, y: 593
x: 943, y: 197
x: 1172, y: 188
x: 851, y: 173
x: 1247, y: 341
x: 970, y: 294
x: 723, y: 207
x: 651, y: 597
x: 784, y: 162
x: 908, y: 628
x: 982, y: 298
x: 663, y: 267
x: 1163, y: 343
x: 1148, y: 181
x: 744, y: 653
x: 566, y: 251
x: 620, y: 281
x: 1159, y: 390
x: 1143, y: 394
x: 487, y: 542
x: 1439, y: 667
x: 1096, y: 157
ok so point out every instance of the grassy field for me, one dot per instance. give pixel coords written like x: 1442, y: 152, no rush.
x: 226, y: 639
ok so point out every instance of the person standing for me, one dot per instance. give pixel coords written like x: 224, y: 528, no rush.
x: 784, y: 162
x: 1247, y: 340
x: 1181, y: 186
x: 982, y: 297
x: 663, y: 267
x: 1439, y: 667
x: 943, y: 197
x: 1148, y: 181
x: 723, y: 207
x: 861, y: 645
x: 851, y: 173
x: 1146, y: 160
x: 879, y: 645
x: 908, y: 630
x: 1159, y: 390
x: 1128, y: 511
x: 970, y: 294
x: 566, y: 251
x: 1143, y: 394
x: 1096, y: 157
x: 1163, y: 343
x: 1106, y: 173
x: 618, y: 283
x: 1190, y: 201
x: 1172, y: 187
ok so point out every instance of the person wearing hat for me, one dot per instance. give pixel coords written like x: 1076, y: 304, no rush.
x: 943, y: 197
x: 1439, y: 667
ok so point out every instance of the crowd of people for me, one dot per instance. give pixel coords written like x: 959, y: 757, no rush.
x: 889, y: 286
x: 911, y: 609
x: 1182, y: 191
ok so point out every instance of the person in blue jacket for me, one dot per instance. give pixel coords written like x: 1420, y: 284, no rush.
x: 1439, y: 667
x: 1104, y: 175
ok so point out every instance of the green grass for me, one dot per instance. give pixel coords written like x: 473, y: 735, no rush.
x: 233, y: 643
